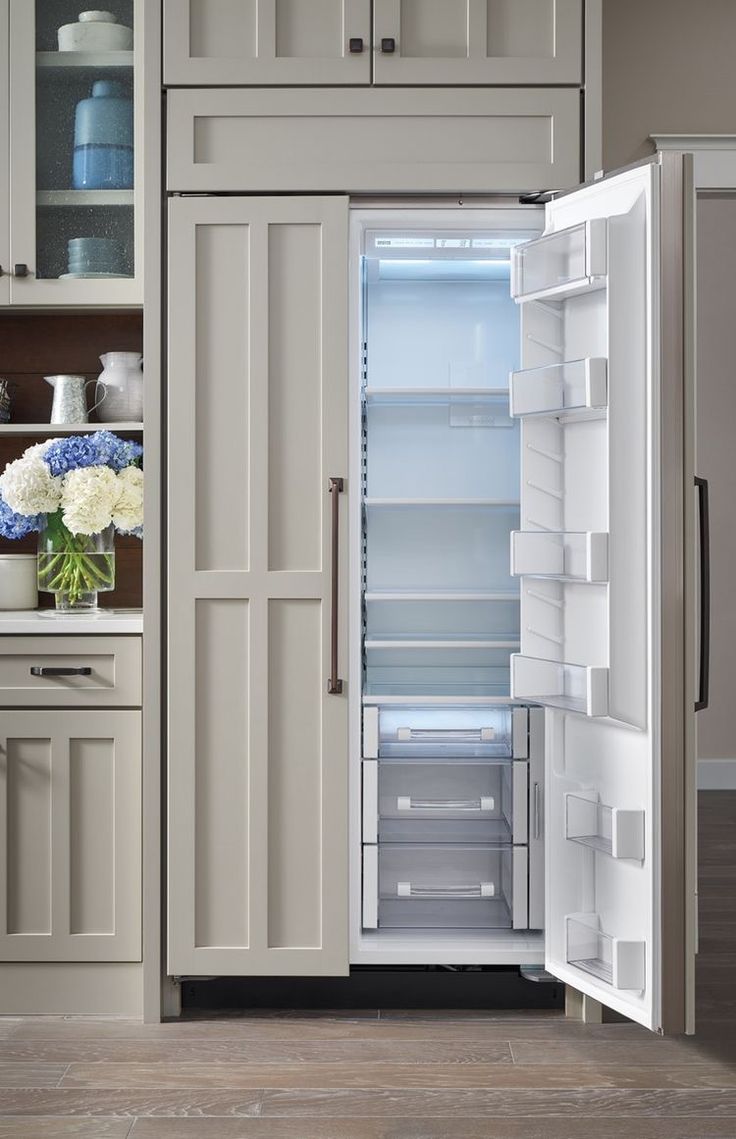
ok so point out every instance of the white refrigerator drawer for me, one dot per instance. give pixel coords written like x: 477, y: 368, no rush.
x: 455, y: 731
x: 445, y: 887
x: 445, y: 802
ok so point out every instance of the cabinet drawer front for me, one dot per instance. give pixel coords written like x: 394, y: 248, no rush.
x: 70, y: 672
x: 375, y: 141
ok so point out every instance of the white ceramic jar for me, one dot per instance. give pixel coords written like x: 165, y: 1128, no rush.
x: 96, y: 31
x: 18, y: 581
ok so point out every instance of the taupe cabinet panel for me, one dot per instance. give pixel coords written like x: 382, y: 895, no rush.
x: 320, y: 42
x: 4, y: 151
x: 373, y: 141
x: 241, y: 42
x: 478, y: 41
x: 70, y: 810
x: 258, y: 748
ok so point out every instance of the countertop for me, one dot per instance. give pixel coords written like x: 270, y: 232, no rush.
x: 48, y: 621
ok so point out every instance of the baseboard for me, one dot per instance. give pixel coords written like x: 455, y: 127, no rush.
x: 717, y: 774
x: 71, y: 989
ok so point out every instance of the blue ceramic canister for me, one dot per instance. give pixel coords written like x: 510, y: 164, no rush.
x: 103, y: 139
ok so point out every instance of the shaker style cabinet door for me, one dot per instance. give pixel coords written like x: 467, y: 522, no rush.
x: 458, y: 42
x: 257, y: 794
x: 70, y: 859
x: 215, y: 43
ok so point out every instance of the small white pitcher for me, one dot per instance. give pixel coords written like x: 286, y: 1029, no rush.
x: 70, y: 399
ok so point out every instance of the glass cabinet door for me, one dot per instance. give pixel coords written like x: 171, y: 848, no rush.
x: 74, y: 155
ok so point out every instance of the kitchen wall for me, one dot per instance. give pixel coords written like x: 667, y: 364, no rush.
x: 668, y: 66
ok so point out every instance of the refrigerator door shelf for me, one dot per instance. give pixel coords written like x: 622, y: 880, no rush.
x: 610, y: 830
x: 619, y: 962
x: 575, y: 388
x: 567, y: 557
x: 564, y: 263
x: 572, y: 687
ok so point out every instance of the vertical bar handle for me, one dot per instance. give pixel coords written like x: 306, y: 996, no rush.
x: 704, y: 549
x: 537, y: 811
x: 335, y: 487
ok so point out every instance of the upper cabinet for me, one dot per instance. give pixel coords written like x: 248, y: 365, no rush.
x: 477, y: 41
x: 213, y: 43
x: 72, y: 158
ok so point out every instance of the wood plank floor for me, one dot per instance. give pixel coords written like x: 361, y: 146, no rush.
x: 376, y: 1074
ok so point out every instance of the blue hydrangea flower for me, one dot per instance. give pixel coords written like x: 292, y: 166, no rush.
x: 17, y: 526
x: 101, y: 449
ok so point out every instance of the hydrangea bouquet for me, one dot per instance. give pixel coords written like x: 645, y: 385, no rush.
x: 76, y: 492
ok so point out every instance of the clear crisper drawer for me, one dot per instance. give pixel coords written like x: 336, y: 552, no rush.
x: 459, y: 887
x: 445, y: 802
x: 457, y: 731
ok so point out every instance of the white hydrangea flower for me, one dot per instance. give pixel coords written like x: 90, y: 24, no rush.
x: 28, y: 486
x: 128, y: 513
x: 89, y: 496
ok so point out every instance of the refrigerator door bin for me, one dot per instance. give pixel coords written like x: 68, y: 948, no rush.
x: 617, y: 961
x: 451, y: 732
x: 454, y: 803
x: 574, y: 388
x: 619, y: 833
x: 564, y: 263
x: 574, y: 687
x: 447, y: 887
x: 568, y: 557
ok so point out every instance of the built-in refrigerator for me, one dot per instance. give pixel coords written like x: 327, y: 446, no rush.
x: 521, y: 762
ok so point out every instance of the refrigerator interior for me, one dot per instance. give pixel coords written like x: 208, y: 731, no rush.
x: 436, y: 864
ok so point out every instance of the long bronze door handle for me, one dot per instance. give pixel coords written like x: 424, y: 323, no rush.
x: 335, y: 487
x: 704, y: 548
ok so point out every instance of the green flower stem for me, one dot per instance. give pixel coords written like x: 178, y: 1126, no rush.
x: 70, y: 566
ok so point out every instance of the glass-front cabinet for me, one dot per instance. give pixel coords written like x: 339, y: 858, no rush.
x: 74, y: 153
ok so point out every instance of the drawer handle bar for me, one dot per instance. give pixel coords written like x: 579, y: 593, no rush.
x: 335, y: 487
x: 426, y: 735
x: 38, y: 670
x: 406, y: 803
x: 473, y: 890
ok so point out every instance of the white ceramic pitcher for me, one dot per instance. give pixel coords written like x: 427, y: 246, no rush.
x: 122, y: 382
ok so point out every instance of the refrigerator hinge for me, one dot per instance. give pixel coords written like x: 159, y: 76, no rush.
x: 537, y: 973
x: 537, y: 198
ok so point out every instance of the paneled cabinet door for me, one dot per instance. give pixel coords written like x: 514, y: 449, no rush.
x: 213, y: 43
x: 70, y: 857
x: 74, y: 238
x: 258, y: 427
x: 478, y: 41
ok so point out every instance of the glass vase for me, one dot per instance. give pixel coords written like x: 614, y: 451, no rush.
x: 75, y: 567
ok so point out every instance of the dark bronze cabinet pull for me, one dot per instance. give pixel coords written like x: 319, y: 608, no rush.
x: 38, y: 670
x: 388, y: 45
x: 20, y: 270
x: 355, y: 43
x: 704, y: 548
x: 335, y: 487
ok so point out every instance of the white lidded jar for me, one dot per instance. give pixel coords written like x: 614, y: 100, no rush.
x: 96, y: 31
x: 119, y: 391
x: 18, y: 581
